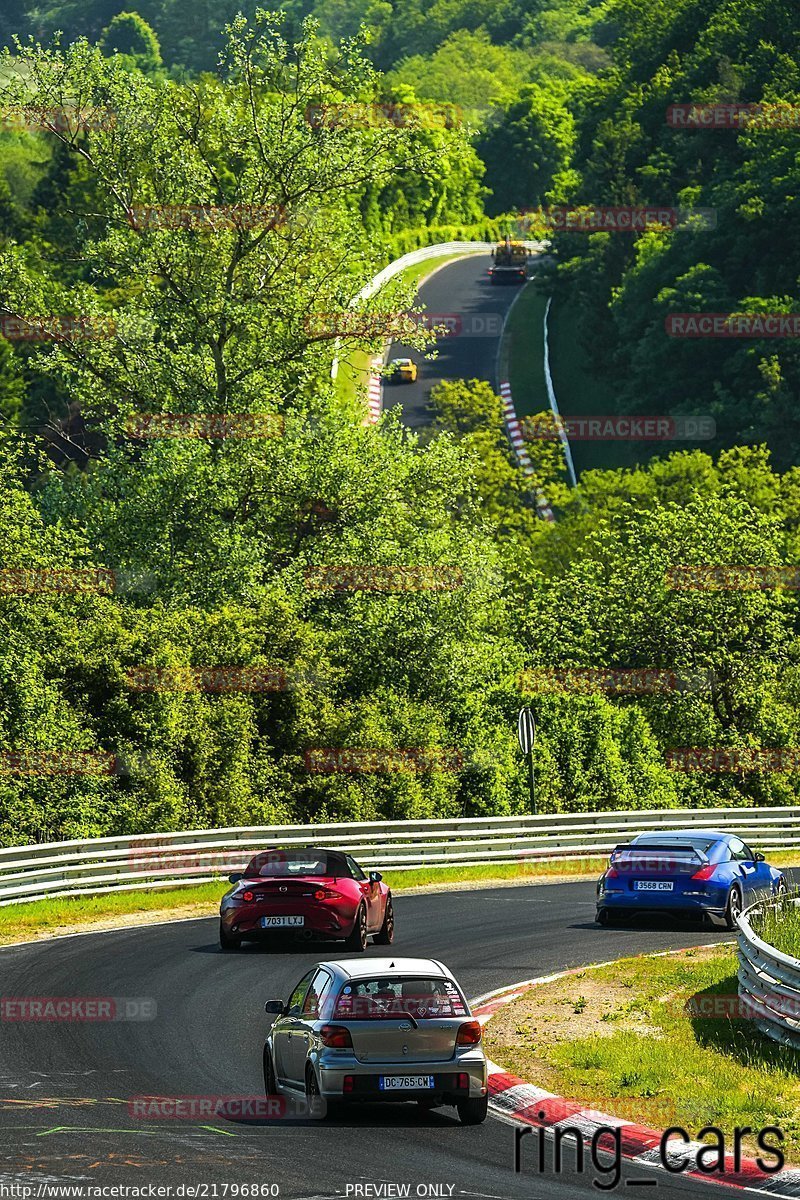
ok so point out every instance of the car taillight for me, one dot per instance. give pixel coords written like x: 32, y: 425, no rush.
x: 462, y: 1082
x: 347, y: 1084
x: 705, y: 872
x: 469, y: 1034
x: 612, y: 873
x: 248, y: 896
x: 326, y: 894
x: 336, y: 1036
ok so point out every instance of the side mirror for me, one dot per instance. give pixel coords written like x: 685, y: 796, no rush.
x: 759, y: 857
x: 375, y: 877
x: 235, y: 877
x: 274, y: 1007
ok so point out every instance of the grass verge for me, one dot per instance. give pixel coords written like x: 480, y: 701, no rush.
x: 621, y: 1040
x: 523, y: 352
x: 580, y: 393
x: 23, y: 922
x: 780, y: 928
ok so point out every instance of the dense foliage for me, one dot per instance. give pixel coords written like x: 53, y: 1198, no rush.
x: 565, y: 102
x: 212, y: 541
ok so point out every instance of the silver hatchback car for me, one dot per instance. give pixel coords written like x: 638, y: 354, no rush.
x: 377, y: 1030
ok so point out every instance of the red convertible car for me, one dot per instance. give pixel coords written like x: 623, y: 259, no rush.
x: 310, y: 892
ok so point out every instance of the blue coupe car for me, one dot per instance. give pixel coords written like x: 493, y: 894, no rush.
x: 692, y: 871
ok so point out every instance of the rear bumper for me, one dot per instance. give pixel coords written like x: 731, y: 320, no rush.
x: 365, y: 1078
x: 317, y: 923
x: 663, y: 902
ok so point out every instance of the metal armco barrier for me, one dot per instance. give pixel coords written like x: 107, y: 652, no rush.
x: 769, y: 983
x: 424, y: 253
x: 154, y: 860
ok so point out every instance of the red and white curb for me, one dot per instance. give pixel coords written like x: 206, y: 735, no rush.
x: 518, y: 442
x: 374, y: 398
x: 527, y: 1105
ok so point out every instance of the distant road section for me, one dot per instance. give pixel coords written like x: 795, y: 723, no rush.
x: 460, y: 296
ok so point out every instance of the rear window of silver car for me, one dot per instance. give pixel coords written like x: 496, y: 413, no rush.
x: 387, y: 998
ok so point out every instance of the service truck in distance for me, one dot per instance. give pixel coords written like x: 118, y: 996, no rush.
x: 510, y: 262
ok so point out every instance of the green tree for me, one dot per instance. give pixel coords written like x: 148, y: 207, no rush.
x: 536, y: 134
x: 12, y: 385
x: 129, y: 35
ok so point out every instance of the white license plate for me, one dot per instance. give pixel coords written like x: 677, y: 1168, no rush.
x: 653, y: 885
x: 391, y: 1083
x: 281, y: 922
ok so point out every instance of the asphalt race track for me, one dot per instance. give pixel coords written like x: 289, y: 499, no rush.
x: 64, y: 1087
x: 460, y: 290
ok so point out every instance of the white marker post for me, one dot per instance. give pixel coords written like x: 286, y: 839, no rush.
x: 526, y: 732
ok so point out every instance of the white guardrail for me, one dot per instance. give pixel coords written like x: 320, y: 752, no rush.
x: 155, y: 860
x: 769, y: 983
x: 440, y: 250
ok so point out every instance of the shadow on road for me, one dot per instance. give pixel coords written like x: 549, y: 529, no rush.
x: 276, y: 945
x: 669, y: 923
x: 363, y: 1116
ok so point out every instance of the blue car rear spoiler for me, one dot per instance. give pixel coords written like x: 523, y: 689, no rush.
x: 649, y: 848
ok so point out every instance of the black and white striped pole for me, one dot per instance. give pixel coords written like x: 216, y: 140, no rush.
x: 526, y: 732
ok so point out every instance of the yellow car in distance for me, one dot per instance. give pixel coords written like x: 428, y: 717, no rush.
x: 402, y: 370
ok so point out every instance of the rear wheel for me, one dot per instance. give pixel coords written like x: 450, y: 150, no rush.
x: 227, y: 941
x: 473, y: 1112
x: 316, y: 1105
x: 603, y: 916
x: 358, y: 938
x: 734, y: 906
x: 385, y: 936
